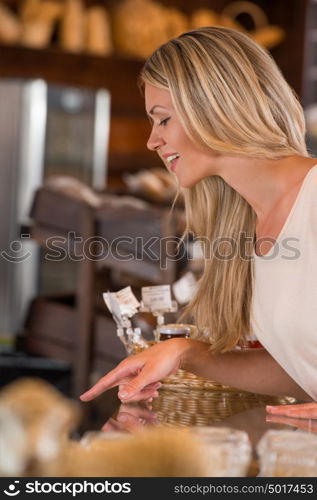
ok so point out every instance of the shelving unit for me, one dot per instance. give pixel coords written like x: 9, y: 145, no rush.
x: 77, y: 332
x: 129, y: 125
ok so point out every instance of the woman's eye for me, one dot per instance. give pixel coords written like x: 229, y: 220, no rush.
x: 163, y: 122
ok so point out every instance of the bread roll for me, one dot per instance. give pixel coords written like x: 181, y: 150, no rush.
x: 98, y: 32
x: 39, y: 20
x: 139, y: 27
x: 10, y: 26
x: 47, y: 10
x: 46, y: 418
x: 36, y: 33
x: 50, y: 11
x: 72, y: 30
x: 29, y: 9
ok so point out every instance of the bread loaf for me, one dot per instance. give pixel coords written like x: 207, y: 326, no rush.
x: 36, y: 33
x: 29, y: 9
x: 10, y: 26
x: 98, y: 32
x: 72, y: 30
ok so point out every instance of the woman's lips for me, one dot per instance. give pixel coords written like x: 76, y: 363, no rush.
x: 173, y: 164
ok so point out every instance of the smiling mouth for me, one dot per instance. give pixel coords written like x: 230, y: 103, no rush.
x: 172, y: 160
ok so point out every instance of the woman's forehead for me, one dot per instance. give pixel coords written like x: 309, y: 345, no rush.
x: 156, y: 97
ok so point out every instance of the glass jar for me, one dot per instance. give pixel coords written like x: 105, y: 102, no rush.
x: 173, y: 331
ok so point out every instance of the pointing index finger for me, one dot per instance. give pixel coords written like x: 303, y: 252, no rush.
x: 110, y: 380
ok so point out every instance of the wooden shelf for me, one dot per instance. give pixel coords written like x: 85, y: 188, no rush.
x: 129, y: 126
x: 75, y: 335
x: 118, y: 75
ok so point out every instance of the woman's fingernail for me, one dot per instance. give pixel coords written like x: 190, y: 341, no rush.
x: 123, y: 394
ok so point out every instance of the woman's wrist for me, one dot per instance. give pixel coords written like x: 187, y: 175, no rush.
x: 186, y: 349
x: 182, y: 348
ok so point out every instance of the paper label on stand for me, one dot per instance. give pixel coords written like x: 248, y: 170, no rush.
x: 123, y: 302
x: 157, y: 298
x: 185, y: 288
x: 128, y: 303
x: 114, y: 308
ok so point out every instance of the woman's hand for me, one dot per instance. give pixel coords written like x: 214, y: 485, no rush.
x: 306, y: 424
x: 137, y: 376
x: 305, y: 410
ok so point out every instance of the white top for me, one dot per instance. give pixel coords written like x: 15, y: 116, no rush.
x: 284, y: 304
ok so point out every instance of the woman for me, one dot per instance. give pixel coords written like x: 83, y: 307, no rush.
x: 227, y: 124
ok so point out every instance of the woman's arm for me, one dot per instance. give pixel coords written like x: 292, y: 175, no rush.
x: 251, y: 370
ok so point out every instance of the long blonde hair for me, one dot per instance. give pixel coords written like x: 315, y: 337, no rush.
x: 231, y: 97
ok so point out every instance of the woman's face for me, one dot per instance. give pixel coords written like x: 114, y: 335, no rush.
x: 168, y: 138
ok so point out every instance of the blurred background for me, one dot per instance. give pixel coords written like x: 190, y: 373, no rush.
x: 74, y: 164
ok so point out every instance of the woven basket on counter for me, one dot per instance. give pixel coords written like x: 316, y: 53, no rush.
x: 186, y: 380
x: 183, y: 406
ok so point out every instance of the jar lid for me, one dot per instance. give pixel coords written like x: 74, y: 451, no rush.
x: 174, y: 329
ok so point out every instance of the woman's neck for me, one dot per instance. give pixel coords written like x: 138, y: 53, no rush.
x: 264, y: 184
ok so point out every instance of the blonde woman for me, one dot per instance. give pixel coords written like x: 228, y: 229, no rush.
x: 227, y: 124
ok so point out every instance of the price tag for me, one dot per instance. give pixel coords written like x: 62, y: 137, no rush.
x: 185, y: 288
x: 114, y: 308
x: 124, y: 300
x: 157, y: 298
x: 128, y: 303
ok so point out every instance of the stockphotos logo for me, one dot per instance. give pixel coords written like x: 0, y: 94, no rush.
x: 12, y: 489
x: 74, y: 488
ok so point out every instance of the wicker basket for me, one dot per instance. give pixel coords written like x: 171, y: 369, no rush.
x: 186, y: 380
x: 184, y: 407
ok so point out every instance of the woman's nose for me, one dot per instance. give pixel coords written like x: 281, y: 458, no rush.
x: 155, y: 141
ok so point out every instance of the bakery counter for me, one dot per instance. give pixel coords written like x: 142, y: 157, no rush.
x: 184, y: 432
x: 186, y: 407
x: 218, y: 408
